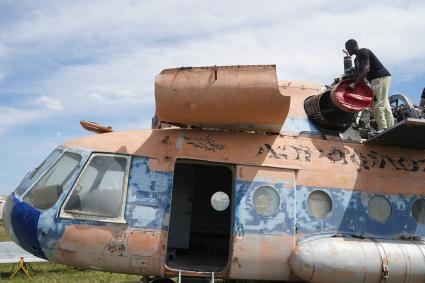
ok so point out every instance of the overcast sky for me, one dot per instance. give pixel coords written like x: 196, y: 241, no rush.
x: 66, y: 61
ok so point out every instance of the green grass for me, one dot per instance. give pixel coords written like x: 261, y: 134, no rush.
x: 51, y: 272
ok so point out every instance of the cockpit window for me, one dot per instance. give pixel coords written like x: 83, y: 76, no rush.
x: 36, y: 172
x: 48, y: 189
x: 100, y: 189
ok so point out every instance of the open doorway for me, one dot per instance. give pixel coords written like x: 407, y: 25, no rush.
x: 200, y: 222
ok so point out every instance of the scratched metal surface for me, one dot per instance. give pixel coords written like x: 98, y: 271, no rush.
x: 136, y: 247
x: 148, y: 195
x: 349, y: 215
x: 350, y: 173
x: 262, y: 244
x: 225, y: 97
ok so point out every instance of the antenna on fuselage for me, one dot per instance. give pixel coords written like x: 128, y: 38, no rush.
x: 95, y: 127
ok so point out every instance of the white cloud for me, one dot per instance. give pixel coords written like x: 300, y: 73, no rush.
x: 136, y: 124
x: 106, y: 56
x: 10, y: 118
x: 122, y: 93
x: 50, y: 103
x: 97, y: 60
x: 96, y: 96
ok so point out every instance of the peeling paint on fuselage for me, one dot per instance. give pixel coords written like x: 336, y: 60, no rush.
x: 116, y: 247
x: 349, y: 215
x: 279, y: 223
x: 351, y: 174
x: 148, y: 195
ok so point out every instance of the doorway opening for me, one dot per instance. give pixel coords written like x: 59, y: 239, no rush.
x: 200, y: 222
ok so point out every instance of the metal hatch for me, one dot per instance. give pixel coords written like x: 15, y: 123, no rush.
x: 222, y: 97
x: 409, y: 133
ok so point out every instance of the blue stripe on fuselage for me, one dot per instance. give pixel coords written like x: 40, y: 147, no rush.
x: 349, y: 214
x: 299, y: 125
x: 279, y: 222
x: 149, y: 195
x: 24, y: 222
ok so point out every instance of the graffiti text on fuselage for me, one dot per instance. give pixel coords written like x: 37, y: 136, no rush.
x: 364, y: 160
x: 208, y: 144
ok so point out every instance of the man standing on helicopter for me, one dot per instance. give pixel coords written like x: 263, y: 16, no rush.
x: 368, y: 66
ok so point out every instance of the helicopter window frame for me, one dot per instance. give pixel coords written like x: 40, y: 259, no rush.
x: 383, y: 207
x: 316, y: 209
x: 46, y: 175
x: 268, y: 188
x: 38, y: 172
x: 82, y: 215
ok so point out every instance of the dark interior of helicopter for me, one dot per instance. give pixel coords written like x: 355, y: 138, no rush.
x: 199, y: 234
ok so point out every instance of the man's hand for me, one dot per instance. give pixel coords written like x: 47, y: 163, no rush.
x: 351, y: 86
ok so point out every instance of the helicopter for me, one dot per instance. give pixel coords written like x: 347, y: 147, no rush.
x: 242, y: 176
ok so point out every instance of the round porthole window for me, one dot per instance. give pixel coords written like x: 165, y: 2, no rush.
x: 266, y: 200
x: 379, y: 208
x: 418, y: 211
x: 319, y: 204
x: 220, y: 201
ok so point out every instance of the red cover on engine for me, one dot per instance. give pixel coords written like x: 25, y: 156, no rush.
x: 352, y: 100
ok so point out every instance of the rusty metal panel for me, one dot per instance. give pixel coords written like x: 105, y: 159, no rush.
x: 262, y: 243
x: 114, y: 249
x: 261, y: 257
x: 229, y: 97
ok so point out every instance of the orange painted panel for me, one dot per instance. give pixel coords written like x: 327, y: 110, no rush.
x: 262, y: 257
x: 233, y: 97
x: 318, y: 162
x: 113, y: 249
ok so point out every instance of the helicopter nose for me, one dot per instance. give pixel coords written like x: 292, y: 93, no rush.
x: 20, y: 222
x: 7, y: 221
